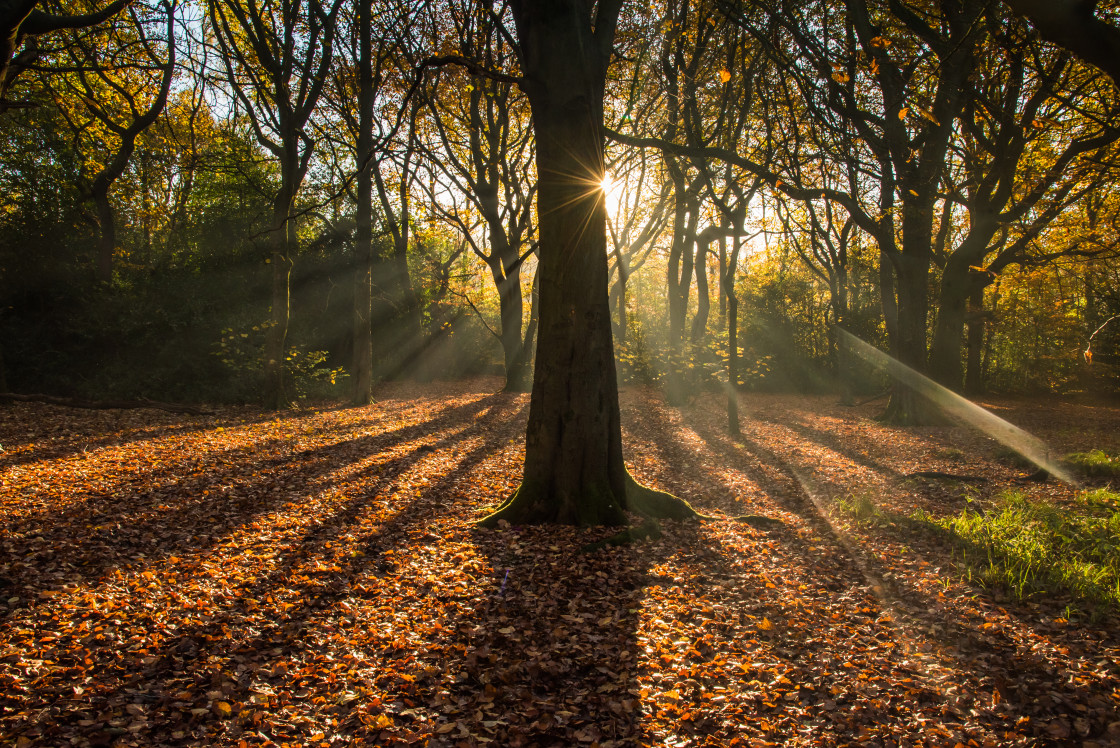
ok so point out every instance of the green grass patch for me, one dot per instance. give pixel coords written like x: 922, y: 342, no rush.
x: 1034, y: 548
x: 1095, y: 463
x: 859, y: 508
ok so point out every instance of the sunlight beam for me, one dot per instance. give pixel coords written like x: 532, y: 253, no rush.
x: 965, y: 411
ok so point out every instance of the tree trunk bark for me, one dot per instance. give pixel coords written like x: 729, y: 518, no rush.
x: 945, y: 353
x: 283, y: 239
x: 958, y: 282
x: 974, y: 378
x: 906, y: 407
x: 573, y: 471
x: 362, y: 362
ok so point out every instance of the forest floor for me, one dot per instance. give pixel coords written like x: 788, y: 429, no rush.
x: 314, y: 578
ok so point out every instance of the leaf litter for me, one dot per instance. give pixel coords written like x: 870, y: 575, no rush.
x: 314, y: 577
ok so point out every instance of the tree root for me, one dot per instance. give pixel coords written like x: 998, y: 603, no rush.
x: 650, y: 502
x: 655, y: 504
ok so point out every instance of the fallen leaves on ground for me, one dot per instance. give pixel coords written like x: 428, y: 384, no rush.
x: 315, y: 578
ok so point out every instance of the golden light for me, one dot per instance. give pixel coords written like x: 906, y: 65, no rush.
x: 612, y: 193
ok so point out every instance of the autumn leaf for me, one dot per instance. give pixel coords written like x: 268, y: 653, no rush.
x: 333, y: 586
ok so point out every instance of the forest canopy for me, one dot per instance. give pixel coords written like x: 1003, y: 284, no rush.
x: 242, y: 201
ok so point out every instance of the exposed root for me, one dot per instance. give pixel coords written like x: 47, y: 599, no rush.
x: 534, y: 504
x: 650, y: 502
x: 656, y: 504
x: 760, y: 521
x: 526, y: 507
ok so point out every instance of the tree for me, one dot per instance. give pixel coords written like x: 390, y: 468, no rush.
x: 122, y: 92
x: 276, y: 62
x: 1074, y: 25
x: 22, y: 22
x: 574, y: 472
x: 1034, y: 141
x: 485, y: 156
x: 637, y: 218
x: 369, y: 66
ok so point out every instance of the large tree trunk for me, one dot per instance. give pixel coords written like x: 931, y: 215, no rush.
x: 945, y: 352
x: 573, y: 472
x: 906, y: 407
x: 958, y: 282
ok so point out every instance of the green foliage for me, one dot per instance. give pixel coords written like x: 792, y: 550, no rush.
x: 859, y: 508
x: 645, y: 358
x: 1035, y: 345
x: 307, y: 372
x: 1095, y: 463
x: 1033, y: 548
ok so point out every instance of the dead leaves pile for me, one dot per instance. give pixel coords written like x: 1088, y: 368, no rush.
x: 314, y: 578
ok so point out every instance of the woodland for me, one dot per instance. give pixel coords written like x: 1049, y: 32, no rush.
x: 583, y: 372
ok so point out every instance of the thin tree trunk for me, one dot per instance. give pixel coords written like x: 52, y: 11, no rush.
x: 510, y: 308
x: 283, y: 240
x: 974, y: 378
x: 703, y: 297
x: 728, y: 287
x: 107, y: 236
x: 362, y: 365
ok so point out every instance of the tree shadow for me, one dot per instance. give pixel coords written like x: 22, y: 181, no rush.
x: 57, y: 434
x: 996, y: 678
x: 220, y: 665
x: 550, y: 656
x: 189, y: 506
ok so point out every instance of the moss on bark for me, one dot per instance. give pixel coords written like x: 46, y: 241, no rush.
x: 532, y: 505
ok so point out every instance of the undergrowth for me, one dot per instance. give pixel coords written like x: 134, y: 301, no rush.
x: 1095, y: 463
x: 1029, y: 548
